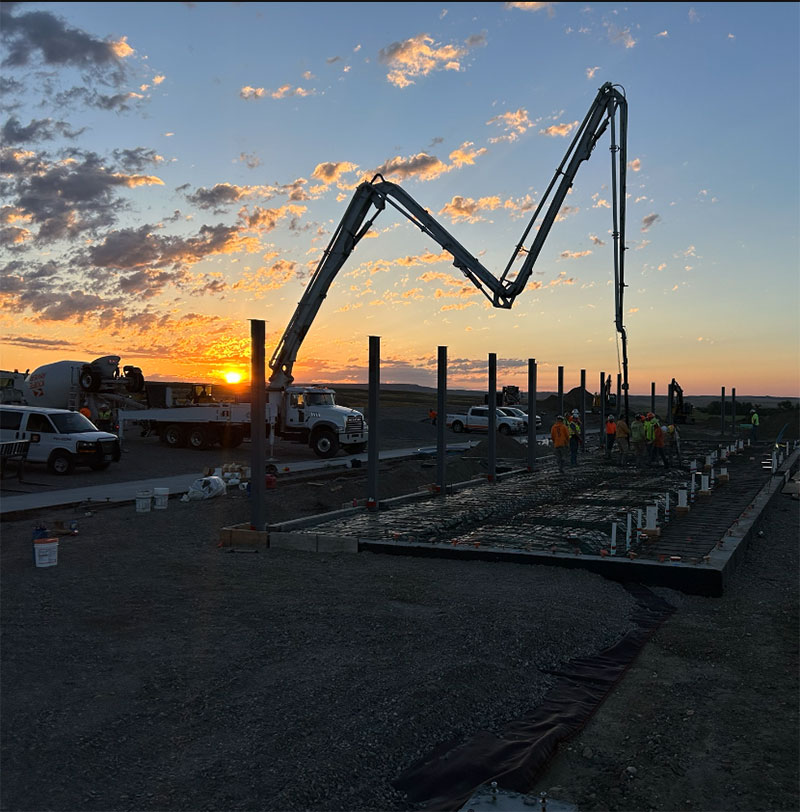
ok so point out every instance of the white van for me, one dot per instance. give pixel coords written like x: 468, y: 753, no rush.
x: 61, y: 438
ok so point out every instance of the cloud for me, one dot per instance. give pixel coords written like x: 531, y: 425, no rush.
x: 265, y: 220
x: 574, y: 254
x: 36, y: 130
x: 332, y: 172
x: 465, y: 209
x: 649, y: 220
x: 635, y: 165
x: 463, y: 155
x: 620, y: 35
x: 562, y: 130
x: 269, y: 278
x: 514, y: 123
x: 420, y: 56
x: 421, y: 165
x: 66, y: 198
x: 39, y: 35
x: 548, y: 7
x: 596, y: 240
x: 590, y: 72
x: 248, y: 92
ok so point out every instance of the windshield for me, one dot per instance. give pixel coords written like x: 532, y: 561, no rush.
x: 320, y: 399
x: 72, y: 423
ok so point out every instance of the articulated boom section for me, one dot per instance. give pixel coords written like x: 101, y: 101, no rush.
x: 501, y: 292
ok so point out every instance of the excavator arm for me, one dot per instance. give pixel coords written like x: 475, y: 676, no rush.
x: 502, y: 291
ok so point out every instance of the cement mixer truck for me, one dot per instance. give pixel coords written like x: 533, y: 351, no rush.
x: 77, y: 384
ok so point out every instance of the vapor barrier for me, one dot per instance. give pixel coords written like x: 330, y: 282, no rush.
x: 447, y: 778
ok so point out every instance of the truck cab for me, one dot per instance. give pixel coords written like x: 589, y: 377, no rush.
x: 310, y: 415
x: 58, y: 437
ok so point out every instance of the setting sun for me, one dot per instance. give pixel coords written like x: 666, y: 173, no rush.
x: 233, y: 377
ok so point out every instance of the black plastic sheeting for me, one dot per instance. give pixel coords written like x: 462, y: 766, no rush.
x: 447, y: 778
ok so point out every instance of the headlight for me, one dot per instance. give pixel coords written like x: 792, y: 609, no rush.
x: 83, y: 445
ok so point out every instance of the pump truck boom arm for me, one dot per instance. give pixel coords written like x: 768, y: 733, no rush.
x: 501, y: 292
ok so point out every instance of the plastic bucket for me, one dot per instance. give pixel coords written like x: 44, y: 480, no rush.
x: 161, y: 498
x: 143, y: 500
x: 45, y: 552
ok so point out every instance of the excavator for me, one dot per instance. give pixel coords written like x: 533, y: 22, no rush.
x: 372, y: 197
x: 681, y: 410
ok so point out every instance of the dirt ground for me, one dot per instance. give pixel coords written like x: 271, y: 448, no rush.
x: 707, y: 717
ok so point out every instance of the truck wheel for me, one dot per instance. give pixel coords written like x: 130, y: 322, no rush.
x: 200, y: 438
x: 134, y: 380
x: 174, y: 436
x: 89, y: 379
x: 457, y: 426
x: 504, y: 430
x: 354, y: 448
x: 61, y: 462
x: 325, y: 444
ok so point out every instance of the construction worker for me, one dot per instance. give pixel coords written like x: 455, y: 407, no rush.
x: 432, y: 416
x: 611, y: 435
x: 575, y: 436
x: 754, y: 421
x: 104, y: 418
x: 560, y: 436
x: 638, y: 440
x: 623, y: 439
x: 650, y: 422
x: 659, y: 440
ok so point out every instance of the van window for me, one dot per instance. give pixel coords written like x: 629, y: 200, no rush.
x: 40, y: 424
x: 10, y: 420
x: 72, y: 423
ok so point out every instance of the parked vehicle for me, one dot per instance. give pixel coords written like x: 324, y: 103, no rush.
x: 513, y: 411
x: 477, y: 419
x: 305, y: 414
x: 58, y: 437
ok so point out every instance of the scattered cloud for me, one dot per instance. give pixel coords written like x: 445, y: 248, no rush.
x: 649, y: 220
x: 514, y: 123
x: 548, y: 7
x: 590, y: 72
x: 465, y: 209
x: 635, y: 165
x: 562, y: 130
x: 421, y: 55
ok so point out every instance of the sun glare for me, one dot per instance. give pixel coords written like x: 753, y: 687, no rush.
x: 233, y: 377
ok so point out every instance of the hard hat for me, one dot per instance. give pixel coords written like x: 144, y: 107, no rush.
x: 575, y: 413
x: 559, y: 417
x: 752, y: 411
x: 611, y: 417
x: 650, y: 414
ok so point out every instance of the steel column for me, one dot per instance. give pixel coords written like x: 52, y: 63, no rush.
x: 441, y: 420
x: 531, y: 414
x: 492, y: 417
x: 374, y: 436
x: 561, y: 390
x: 258, y: 426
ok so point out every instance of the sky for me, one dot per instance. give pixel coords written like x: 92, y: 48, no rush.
x: 173, y: 171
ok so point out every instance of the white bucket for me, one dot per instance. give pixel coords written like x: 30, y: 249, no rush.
x: 45, y: 552
x: 161, y: 498
x: 143, y: 499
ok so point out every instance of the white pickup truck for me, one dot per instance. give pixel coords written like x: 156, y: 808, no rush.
x: 477, y: 419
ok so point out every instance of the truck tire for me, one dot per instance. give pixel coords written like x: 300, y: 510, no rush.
x: 61, y: 463
x: 457, y: 426
x: 504, y: 430
x: 200, y: 438
x: 325, y: 443
x: 174, y: 436
x: 89, y: 379
x: 134, y: 380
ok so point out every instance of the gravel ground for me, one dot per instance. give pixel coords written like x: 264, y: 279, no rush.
x: 151, y: 669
